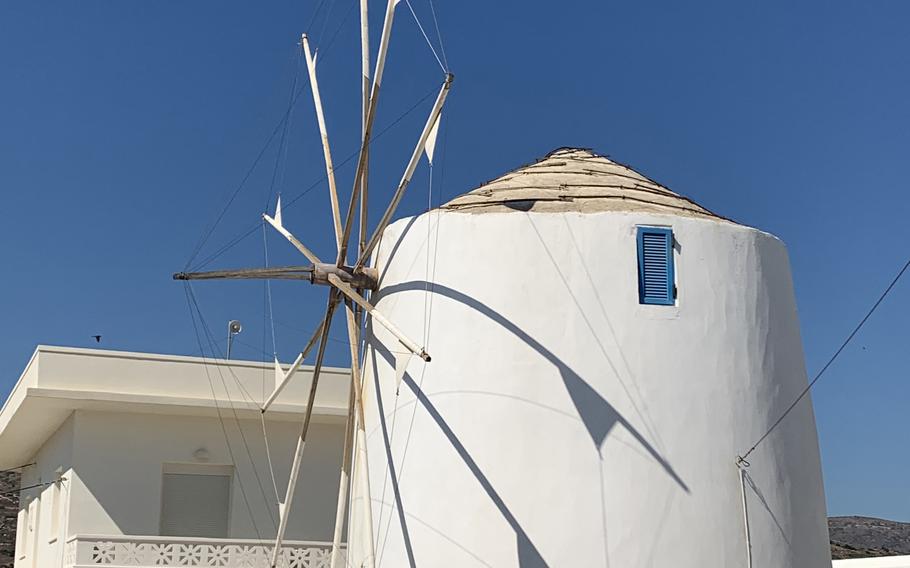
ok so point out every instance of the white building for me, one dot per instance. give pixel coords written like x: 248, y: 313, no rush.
x: 146, y: 478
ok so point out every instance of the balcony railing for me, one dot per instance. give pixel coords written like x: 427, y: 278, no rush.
x: 175, y: 552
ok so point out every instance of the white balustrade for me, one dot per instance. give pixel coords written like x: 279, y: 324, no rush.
x: 175, y: 552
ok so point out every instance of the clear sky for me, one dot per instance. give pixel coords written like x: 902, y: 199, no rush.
x: 127, y: 125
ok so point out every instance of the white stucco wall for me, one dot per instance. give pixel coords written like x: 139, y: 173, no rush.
x: 119, y: 461
x: 561, y: 423
x: 112, y: 464
x: 44, y: 546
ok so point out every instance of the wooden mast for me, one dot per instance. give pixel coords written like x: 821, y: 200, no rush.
x: 347, y: 283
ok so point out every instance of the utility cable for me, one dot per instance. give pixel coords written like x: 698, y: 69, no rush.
x: 191, y: 302
x: 35, y: 486
x: 742, y: 459
x: 442, y: 47
x: 429, y: 43
x: 281, y: 123
x: 17, y: 468
x: 244, y: 235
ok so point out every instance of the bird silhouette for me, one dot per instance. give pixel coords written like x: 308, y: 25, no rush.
x: 97, y: 338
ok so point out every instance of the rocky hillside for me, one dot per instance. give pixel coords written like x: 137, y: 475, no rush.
x: 859, y: 537
x: 9, y: 509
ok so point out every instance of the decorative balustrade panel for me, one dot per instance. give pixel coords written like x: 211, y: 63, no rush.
x: 168, y: 553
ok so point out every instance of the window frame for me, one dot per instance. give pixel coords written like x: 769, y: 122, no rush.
x: 202, y: 469
x: 667, y: 233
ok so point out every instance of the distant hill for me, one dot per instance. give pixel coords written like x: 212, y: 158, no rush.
x: 862, y: 537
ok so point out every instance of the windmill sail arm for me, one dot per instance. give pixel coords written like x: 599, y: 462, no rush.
x: 285, y: 507
x: 378, y: 317
x: 272, y: 273
x: 294, y: 367
x: 365, y: 278
x: 367, y: 127
x: 408, y: 172
x: 365, y: 105
x: 294, y: 241
x: 323, y: 132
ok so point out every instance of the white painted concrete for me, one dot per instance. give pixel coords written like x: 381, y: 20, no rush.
x: 84, y: 551
x: 59, y: 380
x: 116, y: 437
x: 560, y: 423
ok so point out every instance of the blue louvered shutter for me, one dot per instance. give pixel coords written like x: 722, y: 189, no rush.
x: 655, y: 266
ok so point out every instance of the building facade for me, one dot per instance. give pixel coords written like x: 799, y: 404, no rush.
x: 135, y: 459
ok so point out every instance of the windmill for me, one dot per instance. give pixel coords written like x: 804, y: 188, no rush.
x: 348, y: 283
x: 587, y: 392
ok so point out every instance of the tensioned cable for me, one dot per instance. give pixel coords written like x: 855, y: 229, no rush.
x: 426, y: 37
x: 207, y: 234
x: 268, y: 455
x: 428, y: 315
x: 338, y: 29
x: 335, y: 339
x: 325, y: 21
x: 246, y: 501
x: 278, y: 174
x: 35, y: 486
x: 442, y: 46
x: 213, y: 347
x: 806, y: 390
x: 268, y: 288
x: 313, y: 15
x: 426, y: 286
x: 17, y: 468
x: 242, y: 236
x: 216, y: 351
x: 281, y: 154
x: 253, y: 403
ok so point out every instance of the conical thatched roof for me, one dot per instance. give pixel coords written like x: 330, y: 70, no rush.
x: 576, y: 179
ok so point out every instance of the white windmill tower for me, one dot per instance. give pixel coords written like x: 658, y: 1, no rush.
x: 602, y: 349
x: 347, y: 282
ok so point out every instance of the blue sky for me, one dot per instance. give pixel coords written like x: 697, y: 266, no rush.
x: 126, y: 125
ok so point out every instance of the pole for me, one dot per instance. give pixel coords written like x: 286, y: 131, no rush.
x: 294, y: 240
x: 371, y: 114
x: 297, y: 362
x: 284, y: 509
x: 361, y: 443
x: 365, y: 105
x: 379, y: 318
x: 344, y: 479
x: 326, y: 151
x: 408, y: 172
x: 741, y: 465
x: 234, y: 328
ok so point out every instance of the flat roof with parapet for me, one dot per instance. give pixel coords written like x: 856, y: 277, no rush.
x: 58, y: 380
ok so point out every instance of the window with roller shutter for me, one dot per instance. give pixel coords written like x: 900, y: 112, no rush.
x: 196, y: 500
x: 656, y: 281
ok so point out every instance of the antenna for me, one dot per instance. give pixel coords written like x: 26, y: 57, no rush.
x: 234, y: 328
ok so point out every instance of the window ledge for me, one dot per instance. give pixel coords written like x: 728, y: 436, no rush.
x: 657, y: 312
